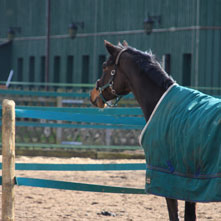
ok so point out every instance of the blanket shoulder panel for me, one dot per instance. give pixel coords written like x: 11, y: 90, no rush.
x: 182, y: 140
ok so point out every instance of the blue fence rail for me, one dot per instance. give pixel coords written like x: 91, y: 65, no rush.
x: 108, y: 118
x: 48, y: 93
x: 105, y: 118
x: 80, y: 117
x: 54, y: 184
x: 48, y: 84
x: 116, y: 118
x: 79, y: 167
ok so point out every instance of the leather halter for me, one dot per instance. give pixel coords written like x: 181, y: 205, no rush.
x: 110, y: 83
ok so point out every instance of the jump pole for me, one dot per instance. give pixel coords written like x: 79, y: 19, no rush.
x: 8, y: 160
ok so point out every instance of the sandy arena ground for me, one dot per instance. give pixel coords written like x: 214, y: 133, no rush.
x: 38, y: 204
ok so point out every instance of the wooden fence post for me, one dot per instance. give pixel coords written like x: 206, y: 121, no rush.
x: 8, y: 160
x: 59, y: 129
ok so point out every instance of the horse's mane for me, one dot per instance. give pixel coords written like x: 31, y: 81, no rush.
x: 149, y: 65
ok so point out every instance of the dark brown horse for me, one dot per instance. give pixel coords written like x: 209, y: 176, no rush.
x: 129, y: 70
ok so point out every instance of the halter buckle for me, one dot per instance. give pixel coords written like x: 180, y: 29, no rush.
x: 113, y: 72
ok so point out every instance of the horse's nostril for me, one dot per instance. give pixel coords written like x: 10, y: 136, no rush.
x: 93, y: 102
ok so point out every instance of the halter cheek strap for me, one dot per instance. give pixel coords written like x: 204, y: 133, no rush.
x: 118, y: 56
x: 110, y: 83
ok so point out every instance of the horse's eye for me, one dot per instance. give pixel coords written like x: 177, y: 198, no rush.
x: 104, y: 65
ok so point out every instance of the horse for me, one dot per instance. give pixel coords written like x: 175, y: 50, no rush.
x: 130, y: 70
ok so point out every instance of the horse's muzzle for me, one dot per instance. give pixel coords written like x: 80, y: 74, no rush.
x: 96, y: 99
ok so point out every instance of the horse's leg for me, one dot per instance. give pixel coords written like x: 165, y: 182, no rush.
x: 172, y: 206
x: 190, y: 211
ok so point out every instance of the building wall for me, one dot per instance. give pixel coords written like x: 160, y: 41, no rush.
x: 193, y: 54
x: 209, y: 73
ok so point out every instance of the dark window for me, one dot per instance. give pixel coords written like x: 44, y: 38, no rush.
x: 57, y: 64
x: 167, y: 63
x: 20, y: 69
x: 32, y: 69
x: 186, y: 81
x: 85, y: 69
x: 42, y: 70
x: 70, y: 67
x: 101, y: 60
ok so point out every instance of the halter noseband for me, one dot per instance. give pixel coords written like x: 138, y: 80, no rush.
x: 110, y: 83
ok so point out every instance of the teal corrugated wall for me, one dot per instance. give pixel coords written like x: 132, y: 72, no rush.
x: 111, y: 16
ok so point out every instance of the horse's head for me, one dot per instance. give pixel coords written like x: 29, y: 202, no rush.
x: 113, y: 83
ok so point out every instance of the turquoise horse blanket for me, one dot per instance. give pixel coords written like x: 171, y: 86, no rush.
x: 182, y: 144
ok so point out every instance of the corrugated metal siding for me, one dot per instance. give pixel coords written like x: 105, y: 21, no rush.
x: 209, y: 41
x: 115, y: 16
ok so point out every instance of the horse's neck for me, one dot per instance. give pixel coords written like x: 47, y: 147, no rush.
x: 146, y: 92
x: 147, y: 97
x: 147, y: 88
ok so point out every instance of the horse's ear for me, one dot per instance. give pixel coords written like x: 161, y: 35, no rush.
x: 125, y: 44
x: 112, y: 49
x: 120, y: 45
